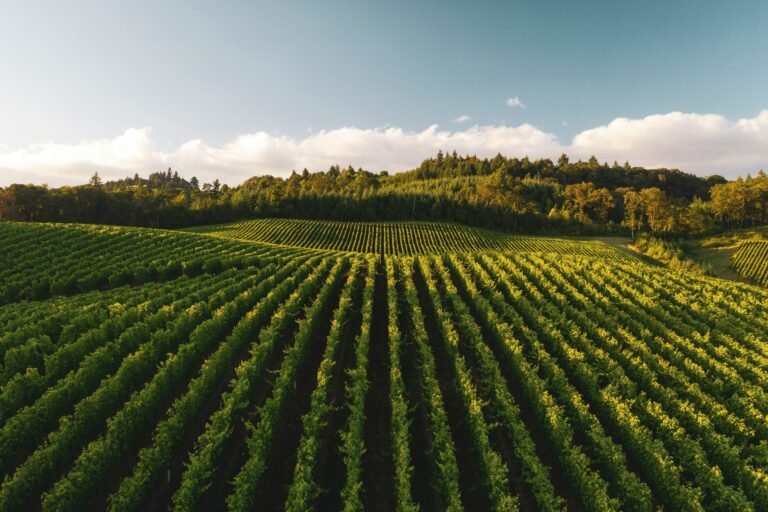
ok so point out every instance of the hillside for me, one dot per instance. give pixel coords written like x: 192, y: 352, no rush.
x: 738, y: 255
x: 751, y: 261
x: 517, y: 195
x: 398, y: 238
x: 278, y: 364
x: 41, y: 260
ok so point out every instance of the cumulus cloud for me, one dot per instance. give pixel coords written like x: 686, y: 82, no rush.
x: 68, y: 163
x: 701, y: 143
x: 391, y: 148
x: 462, y: 119
x: 515, y: 102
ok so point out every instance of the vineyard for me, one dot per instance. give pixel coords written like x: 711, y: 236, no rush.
x: 299, y: 365
x: 751, y: 261
x: 44, y: 260
x: 396, y: 238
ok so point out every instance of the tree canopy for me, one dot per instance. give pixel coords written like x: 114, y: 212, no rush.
x: 513, y: 194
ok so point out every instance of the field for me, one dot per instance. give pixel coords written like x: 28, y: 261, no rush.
x: 395, y: 238
x: 303, y: 365
x: 723, y: 254
x: 751, y: 261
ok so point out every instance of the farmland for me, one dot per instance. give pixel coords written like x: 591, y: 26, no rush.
x: 751, y: 261
x: 395, y: 238
x: 293, y: 365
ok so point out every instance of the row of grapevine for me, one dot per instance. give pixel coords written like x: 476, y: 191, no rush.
x: 514, y: 379
x: 399, y: 422
x: 48, y: 323
x: 33, y: 421
x: 494, y: 470
x: 209, y: 445
x: 751, y: 261
x: 170, y: 432
x: 606, y: 455
x: 551, y: 415
x: 261, y: 436
x: 353, y: 443
x: 45, y: 260
x: 304, y: 488
x: 397, y: 238
x: 443, y: 448
x: 193, y: 332
x: 584, y: 357
x: 502, y: 406
x: 77, y: 342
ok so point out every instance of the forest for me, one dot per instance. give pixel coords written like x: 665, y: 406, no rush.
x: 510, y: 194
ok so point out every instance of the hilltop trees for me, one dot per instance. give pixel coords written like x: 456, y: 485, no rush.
x: 700, y: 217
x: 514, y: 194
x: 654, y: 209
x: 588, y: 204
x: 24, y: 202
x: 632, y: 213
x: 743, y: 201
x: 95, y: 180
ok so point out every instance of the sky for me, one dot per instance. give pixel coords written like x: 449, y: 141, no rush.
x: 233, y: 89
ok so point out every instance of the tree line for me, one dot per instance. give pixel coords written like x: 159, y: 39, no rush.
x: 512, y: 194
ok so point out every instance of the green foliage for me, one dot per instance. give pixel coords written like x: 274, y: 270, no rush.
x: 400, y: 238
x: 669, y: 254
x: 534, y: 374
x: 352, y: 438
x: 512, y: 194
x: 742, y: 202
x: 751, y: 261
x: 44, y: 260
x: 261, y: 436
x: 304, y: 488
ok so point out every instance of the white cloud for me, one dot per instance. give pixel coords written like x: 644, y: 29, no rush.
x: 515, y: 102
x: 69, y: 163
x: 390, y: 148
x: 705, y: 144
x: 701, y: 143
x: 462, y: 119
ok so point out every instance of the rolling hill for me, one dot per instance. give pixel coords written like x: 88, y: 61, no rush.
x: 299, y: 365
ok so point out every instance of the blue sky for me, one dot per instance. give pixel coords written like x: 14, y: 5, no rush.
x: 231, y: 89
